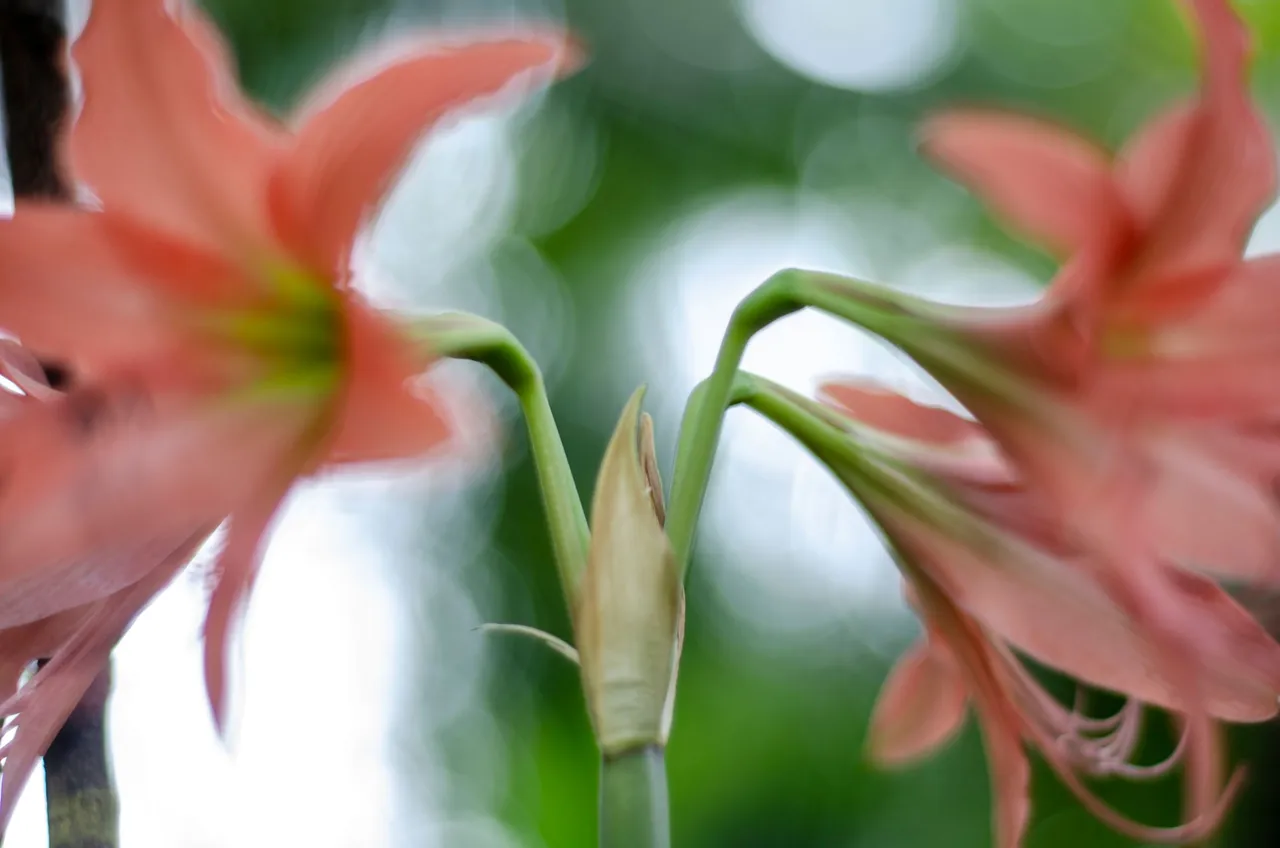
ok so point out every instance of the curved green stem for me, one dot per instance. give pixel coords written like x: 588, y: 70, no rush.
x: 892, y: 315
x: 463, y: 336
x: 704, y: 412
x: 633, y: 800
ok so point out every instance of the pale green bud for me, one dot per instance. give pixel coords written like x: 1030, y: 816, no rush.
x: 629, y: 611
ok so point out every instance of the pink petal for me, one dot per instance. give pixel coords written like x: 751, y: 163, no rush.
x: 163, y: 134
x: 93, y: 290
x: 1201, y: 176
x: 1221, y: 360
x: 236, y: 570
x: 1010, y: 777
x: 64, y: 290
x: 927, y: 437
x: 921, y: 706
x: 103, y: 482
x: 1057, y: 611
x: 1148, y: 167
x: 1212, y: 504
x: 43, y: 704
x: 21, y: 646
x: 383, y: 414
x: 883, y: 409
x: 1208, y: 514
x: 350, y: 150
x: 1002, y: 725
x: 1047, y: 182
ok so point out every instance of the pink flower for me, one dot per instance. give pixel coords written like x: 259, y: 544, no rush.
x: 991, y: 571
x: 1140, y: 393
x: 217, y: 347
x: 1150, y: 237
x: 79, y: 639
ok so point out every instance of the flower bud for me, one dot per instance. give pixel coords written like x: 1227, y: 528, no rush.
x: 629, y: 612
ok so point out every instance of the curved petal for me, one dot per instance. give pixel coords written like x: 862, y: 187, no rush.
x: 1201, y: 176
x: 23, y: 369
x: 927, y: 437
x: 1046, y: 181
x: 1010, y: 777
x: 1212, y: 503
x: 920, y: 707
x: 64, y: 290
x: 237, y: 568
x: 349, y: 151
x: 384, y: 413
x: 1002, y: 725
x: 878, y: 407
x: 1148, y: 166
x: 163, y: 134
x: 43, y: 704
x: 101, y: 483
x: 1057, y: 611
x: 1218, y: 362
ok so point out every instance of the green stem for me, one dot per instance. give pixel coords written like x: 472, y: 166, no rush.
x: 895, y: 316
x: 815, y: 427
x: 704, y: 412
x: 470, y: 337
x: 633, y: 800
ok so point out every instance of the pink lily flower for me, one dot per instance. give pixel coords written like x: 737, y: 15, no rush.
x: 1139, y: 393
x: 77, y: 640
x: 992, y: 571
x: 1152, y: 236
x: 1155, y: 307
x: 206, y: 311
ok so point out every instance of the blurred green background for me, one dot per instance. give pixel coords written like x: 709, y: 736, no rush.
x: 612, y: 223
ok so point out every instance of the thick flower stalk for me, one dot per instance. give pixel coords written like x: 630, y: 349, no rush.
x: 206, y: 310
x: 992, y: 572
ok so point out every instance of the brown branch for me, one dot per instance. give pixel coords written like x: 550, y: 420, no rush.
x: 83, y: 811
x: 36, y: 94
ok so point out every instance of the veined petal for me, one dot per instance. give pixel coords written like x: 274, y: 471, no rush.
x: 920, y: 707
x: 385, y: 413
x: 350, y: 149
x: 163, y: 134
x: 22, y: 645
x: 1046, y: 181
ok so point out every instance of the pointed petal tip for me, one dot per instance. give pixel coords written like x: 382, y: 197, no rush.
x: 1043, y: 179
x: 878, y: 406
x: 358, y: 129
x: 921, y: 707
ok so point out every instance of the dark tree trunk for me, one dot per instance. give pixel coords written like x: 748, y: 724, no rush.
x: 83, y: 811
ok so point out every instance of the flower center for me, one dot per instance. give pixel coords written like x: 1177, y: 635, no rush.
x: 294, y: 337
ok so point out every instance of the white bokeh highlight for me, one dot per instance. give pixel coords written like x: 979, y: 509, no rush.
x: 864, y: 45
